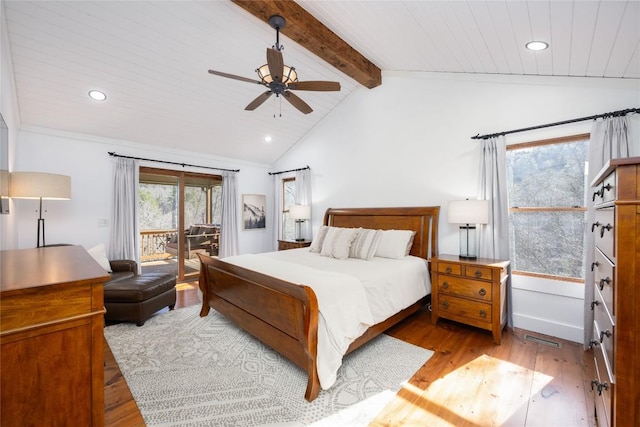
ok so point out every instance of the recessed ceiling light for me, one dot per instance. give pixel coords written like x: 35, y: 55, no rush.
x: 537, y: 45
x: 97, y: 95
x: 267, y: 139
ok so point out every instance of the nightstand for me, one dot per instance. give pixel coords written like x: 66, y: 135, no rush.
x: 470, y: 291
x: 283, y: 245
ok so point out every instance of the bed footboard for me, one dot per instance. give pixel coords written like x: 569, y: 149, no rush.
x: 282, y: 315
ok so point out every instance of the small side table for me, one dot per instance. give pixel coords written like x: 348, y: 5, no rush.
x: 283, y: 245
x: 470, y: 291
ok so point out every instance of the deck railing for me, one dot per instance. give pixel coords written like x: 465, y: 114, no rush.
x: 153, y: 243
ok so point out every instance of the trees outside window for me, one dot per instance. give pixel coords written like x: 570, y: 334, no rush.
x: 547, y: 189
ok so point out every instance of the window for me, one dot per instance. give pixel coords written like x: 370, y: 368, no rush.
x: 288, y: 199
x: 547, y: 187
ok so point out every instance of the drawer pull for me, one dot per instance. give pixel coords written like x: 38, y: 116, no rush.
x: 606, y: 280
x: 445, y: 285
x: 594, y: 264
x: 483, y: 314
x: 478, y: 273
x: 447, y: 270
x: 482, y: 292
x: 594, y: 225
x: 594, y: 303
x: 593, y: 344
x: 603, y: 333
x: 445, y: 304
x: 606, y: 187
x: 595, y: 194
x: 606, y: 227
x: 600, y: 386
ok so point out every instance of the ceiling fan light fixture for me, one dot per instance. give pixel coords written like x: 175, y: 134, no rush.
x: 289, y: 75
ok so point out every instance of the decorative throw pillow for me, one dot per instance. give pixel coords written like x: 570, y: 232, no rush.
x: 365, y: 244
x: 395, y: 243
x: 316, y: 244
x: 337, y: 242
x: 100, y: 255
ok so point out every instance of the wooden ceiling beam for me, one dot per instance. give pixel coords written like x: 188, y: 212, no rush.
x: 312, y: 34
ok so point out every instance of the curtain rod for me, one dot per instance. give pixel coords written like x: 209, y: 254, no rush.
x: 290, y: 170
x: 581, y: 119
x: 113, y: 154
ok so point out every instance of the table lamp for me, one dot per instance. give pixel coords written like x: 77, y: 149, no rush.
x: 300, y: 213
x: 469, y: 213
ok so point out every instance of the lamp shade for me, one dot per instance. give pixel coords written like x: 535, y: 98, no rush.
x: 468, y: 212
x: 300, y: 212
x: 35, y: 185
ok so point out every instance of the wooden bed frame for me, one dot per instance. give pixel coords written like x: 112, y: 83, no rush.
x: 284, y: 315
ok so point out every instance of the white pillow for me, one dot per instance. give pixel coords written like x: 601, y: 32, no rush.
x: 316, y: 244
x: 338, y: 242
x: 365, y: 244
x: 100, y: 255
x: 395, y: 244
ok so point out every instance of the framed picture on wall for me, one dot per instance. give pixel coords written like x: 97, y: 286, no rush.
x: 254, y: 211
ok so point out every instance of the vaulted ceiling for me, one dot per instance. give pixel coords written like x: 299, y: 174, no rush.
x: 151, y: 59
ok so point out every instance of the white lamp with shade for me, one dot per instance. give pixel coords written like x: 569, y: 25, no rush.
x: 299, y: 213
x: 469, y: 213
x: 38, y: 185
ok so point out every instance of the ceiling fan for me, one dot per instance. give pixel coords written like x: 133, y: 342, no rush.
x: 279, y: 78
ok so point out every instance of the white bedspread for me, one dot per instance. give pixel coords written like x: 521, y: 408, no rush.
x: 352, y: 294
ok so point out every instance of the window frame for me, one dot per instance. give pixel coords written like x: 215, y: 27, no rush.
x: 285, y: 210
x: 539, y: 143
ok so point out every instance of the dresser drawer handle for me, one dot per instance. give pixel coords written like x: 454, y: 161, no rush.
x: 445, y: 304
x: 594, y: 264
x: 594, y: 303
x: 603, y: 333
x: 482, y: 292
x: 593, y: 344
x: 606, y: 227
x: 606, y: 280
x: 478, y: 273
x: 594, y: 225
x: 445, y: 285
x: 483, y: 314
x: 597, y: 193
x: 447, y: 270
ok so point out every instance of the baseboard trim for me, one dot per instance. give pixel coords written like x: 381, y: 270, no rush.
x: 544, y: 326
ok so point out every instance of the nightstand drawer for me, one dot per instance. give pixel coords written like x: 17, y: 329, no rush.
x: 453, y: 308
x: 476, y: 272
x: 450, y: 268
x: 464, y: 288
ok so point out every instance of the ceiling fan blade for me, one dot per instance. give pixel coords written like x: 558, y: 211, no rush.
x: 297, y: 102
x: 315, y: 85
x: 258, y: 101
x: 233, y: 76
x: 276, y: 64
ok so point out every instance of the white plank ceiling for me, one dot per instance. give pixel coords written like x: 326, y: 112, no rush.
x: 151, y: 59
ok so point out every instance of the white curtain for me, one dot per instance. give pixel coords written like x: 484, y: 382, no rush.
x: 276, y: 223
x: 124, y: 213
x: 303, y: 197
x: 230, y: 223
x: 494, y: 236
x: 610, y: 139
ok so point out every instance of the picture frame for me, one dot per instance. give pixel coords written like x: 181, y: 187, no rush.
x: 254, y: 211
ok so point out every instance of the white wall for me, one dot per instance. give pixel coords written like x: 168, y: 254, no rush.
x: 85, y: 159
x: 407, y: 143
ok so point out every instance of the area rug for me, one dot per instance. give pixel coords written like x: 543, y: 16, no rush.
x: 184, y: 370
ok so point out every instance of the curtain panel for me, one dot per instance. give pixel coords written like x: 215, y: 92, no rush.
x: 610, y: 139
x: 229, y: 221
x: 303, y: 197
x: 124, y: 213
x: 276, y: 222
x: 492, y: 186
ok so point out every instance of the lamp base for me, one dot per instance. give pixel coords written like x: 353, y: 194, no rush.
x: 468, y: 242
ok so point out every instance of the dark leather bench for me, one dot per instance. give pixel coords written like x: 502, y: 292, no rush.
x: 132, y: 297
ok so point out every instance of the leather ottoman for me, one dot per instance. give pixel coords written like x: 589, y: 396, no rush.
x: 137, y: 298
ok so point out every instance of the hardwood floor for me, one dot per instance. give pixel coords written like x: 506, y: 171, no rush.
x: 469, y: 381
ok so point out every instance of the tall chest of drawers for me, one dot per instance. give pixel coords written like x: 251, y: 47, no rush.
x: 616, y: 311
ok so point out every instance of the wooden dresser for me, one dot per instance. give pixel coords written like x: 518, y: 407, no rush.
x: 470, y: 291
x: 51, y: 338
x: 616, y: 326
x: 283, y: 245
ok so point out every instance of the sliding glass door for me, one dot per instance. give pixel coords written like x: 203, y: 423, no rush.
x: 179, y: 217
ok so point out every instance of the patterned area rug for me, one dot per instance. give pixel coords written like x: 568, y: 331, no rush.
x: 184, y: 370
